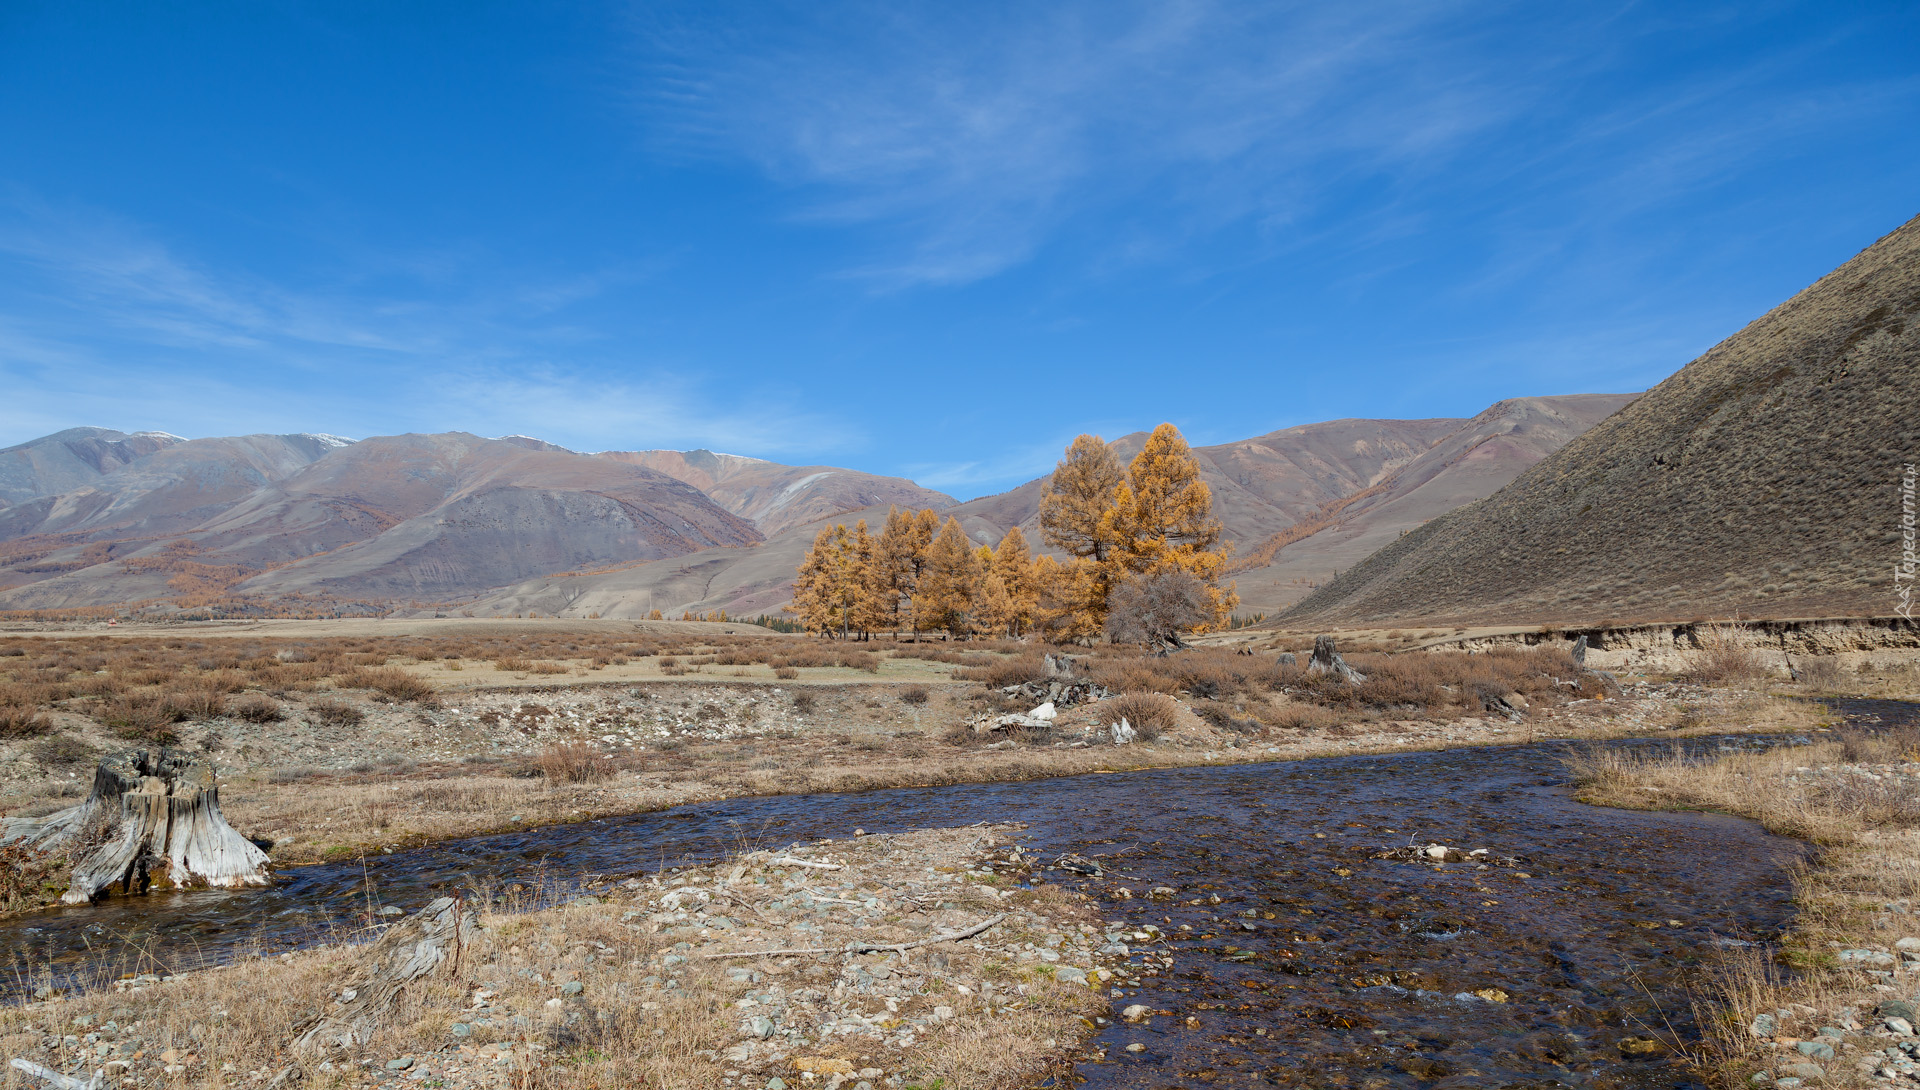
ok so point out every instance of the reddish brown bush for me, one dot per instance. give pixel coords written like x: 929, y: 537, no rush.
x: 1011, y: 670
x: 574, y: 762
x: 336, y: 713
x: 390, y: 681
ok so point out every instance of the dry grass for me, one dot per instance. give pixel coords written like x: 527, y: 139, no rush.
x: 638, y: 1018
x: 1838, y: 794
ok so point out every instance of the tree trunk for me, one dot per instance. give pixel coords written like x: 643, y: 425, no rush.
x: 414, y: 948
x: 147, y: 811
x: 1326, y: 660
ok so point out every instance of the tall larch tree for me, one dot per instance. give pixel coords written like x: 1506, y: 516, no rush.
x: 1013, y: 563
x: 951, y: 578
x: 819, y: 587
x: 994, y: 610
x: 1078, y: 494
x: 868, y: 613
x: 900, y: 556
x: 1163, y: 517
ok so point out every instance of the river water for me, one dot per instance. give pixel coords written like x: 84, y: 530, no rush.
x: 1321, y: 964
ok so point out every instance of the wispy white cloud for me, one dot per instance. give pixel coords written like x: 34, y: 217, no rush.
x: 108, y: 326
x: 975, y: 138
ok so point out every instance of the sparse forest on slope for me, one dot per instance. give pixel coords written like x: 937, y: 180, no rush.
x: 1765, y: 478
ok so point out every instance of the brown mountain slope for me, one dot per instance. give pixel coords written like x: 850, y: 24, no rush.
x: 778, y: 497
x: 169, y: 490
x: 1260, y: 485
x: 1763, y: 478
x: 744, y: 582
x: 71, y: 459
x: 1477, y: 459
x: 417, y: 516
x: 1402, y: 472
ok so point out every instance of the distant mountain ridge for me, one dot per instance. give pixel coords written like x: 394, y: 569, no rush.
x: 1398, y: 473
x: 98, y: 517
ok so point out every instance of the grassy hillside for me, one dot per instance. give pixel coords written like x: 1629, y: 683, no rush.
x: 1763, y: 478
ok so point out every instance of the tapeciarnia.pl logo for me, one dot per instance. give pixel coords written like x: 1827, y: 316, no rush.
x: 1903, y: 572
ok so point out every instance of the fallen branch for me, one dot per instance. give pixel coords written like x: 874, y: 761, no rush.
x: 867, y: 947
x: 790, y: 861
x: 59, y: 1081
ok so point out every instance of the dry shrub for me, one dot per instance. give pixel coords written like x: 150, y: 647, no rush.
x: 390, y: 681
x: 19, y: 722
x: 63, y: 751
x: 1723, y: 659
x: 860, y: 660
x: 1302, y: 717
x: 914, y: 694
x: 1012, y: 670
x: 1821, y: 671
x: 1147, y: 713
x: 574, y: 762
x: 546, y: 668
x: 258, y: 708
x: 785, y: 673
x: 335, y: 713
x: 146, y: 716
x: 512, y: 666
x: 803, y: 702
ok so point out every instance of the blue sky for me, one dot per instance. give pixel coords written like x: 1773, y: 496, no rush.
x: 936, y: 240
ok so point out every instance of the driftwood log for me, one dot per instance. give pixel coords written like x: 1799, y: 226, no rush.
x: 149, y: 812
x: 1326, y: 660
x: 411, y: 949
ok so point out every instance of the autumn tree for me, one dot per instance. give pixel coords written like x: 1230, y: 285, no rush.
x: 1078, y: 497
x: 1013, y: 566
x: 1063, y: 600
x: 994, y: 612
x: 820, y: 586
x: 1162, y: 517
x: 950, y: 581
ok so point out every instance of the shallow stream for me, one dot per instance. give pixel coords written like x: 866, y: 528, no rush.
x: 1298, y: 955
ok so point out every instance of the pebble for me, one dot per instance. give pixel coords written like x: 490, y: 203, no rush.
x: 1900, y: 1026
x: 1819, y: 1050
x: 1765, y: 1025
x: 572, y: 987
x: 1136, y: 1012
x: 400, y: 1064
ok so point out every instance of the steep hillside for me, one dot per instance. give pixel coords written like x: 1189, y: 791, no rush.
x: 778, y: 497
x: 1763, y: 478
x: 412, y: 516
x: 169, y: 490
x: 71, y: 459
x: 1481, y: 456
x: 1260, y: 485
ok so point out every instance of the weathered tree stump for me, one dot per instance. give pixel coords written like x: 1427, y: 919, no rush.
x: 148, y: 811
x: 1326, y: 660
x: 413, y: 948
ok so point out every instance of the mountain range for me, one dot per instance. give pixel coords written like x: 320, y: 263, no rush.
x: 308, y: 522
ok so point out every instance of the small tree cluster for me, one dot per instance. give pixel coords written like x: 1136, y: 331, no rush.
x: 1143, y: 541
x: 918, y: 575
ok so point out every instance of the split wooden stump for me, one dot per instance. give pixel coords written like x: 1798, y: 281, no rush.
x: 149, y: 811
